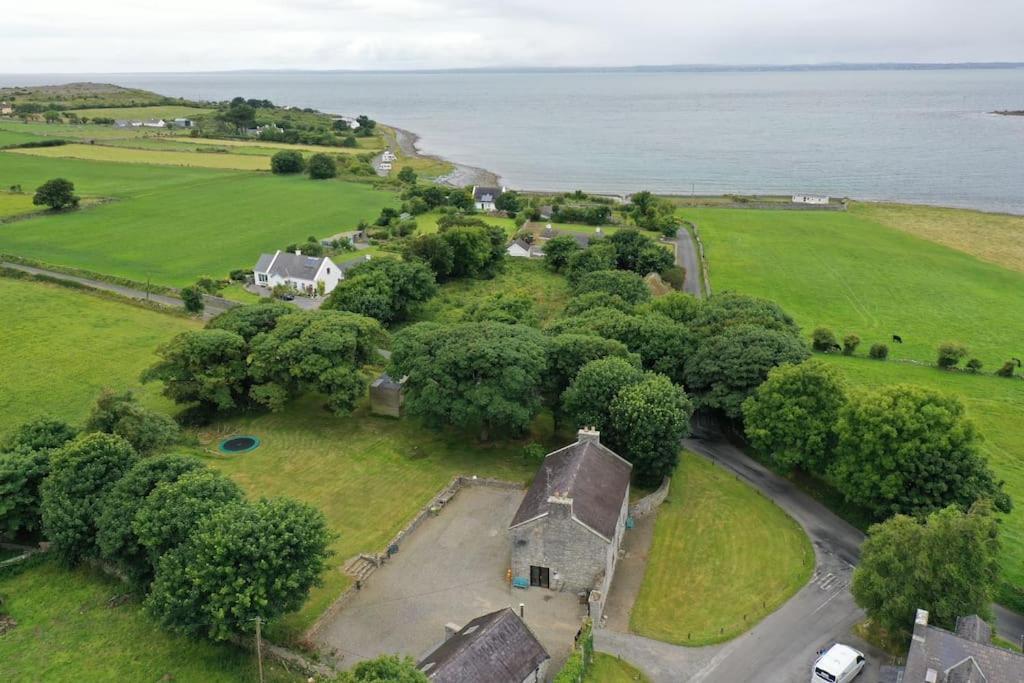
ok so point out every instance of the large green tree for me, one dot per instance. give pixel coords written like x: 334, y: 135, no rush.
x: 287, y: 161
x: 728, y: 367
x: 244, y: 561
x: 722, y: 311
x: 598, y: 256
x: 248, y: 321
x: 322, y: 166
x: 481, y: 376
x: 385, y: 669
x: 434, y: 251
x: 385, y: 289
x: 649, y: 421
x: 24, y: 464
x: 567, y: 353
x: 591, y: 392
x: 207, y: 367
x: 792, y: 416
x: 39, y: 434
x: 56, y: 194
x: 122, y: 414
x: 81, y: 474
x: 559, y: 250
x: 947, y: 564
x: 905, y: 449
x: 627, y: 285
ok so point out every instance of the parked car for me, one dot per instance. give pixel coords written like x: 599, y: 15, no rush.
x: 838, y: 664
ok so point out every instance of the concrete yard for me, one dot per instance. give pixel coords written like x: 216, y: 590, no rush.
x: 451, y: 569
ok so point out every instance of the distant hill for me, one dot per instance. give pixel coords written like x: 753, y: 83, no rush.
x: 86, y: 96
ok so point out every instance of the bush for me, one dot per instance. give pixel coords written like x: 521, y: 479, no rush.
x: 575, y: 668
x: 1007, y: 370
x: 192, y: 298
x: 850, y: 344
x: 57, y: 194
x: 322, y: 166
x: 879, y: 351
x: 823, y: 339
x: 123, y: 415
x: 950, y: 355
x: 287, y: 161
x: 675, y: 277
x: 974, y: 366
x: 534, y: 453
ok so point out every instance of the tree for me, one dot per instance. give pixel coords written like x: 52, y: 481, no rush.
x: 850, y: 344
x: 240, y: 114
x: 322, y: 166
x: 823, y: 339
x: 57, y: 194
x: 677, y: 306
x: 558, y: 251
x: 567, y: 353
x: 792, y: 416
x: 52, y: 116
x: 480, y: 376
x: 649, y: 421
x: 192, y: 299
x: 287, y: 161
x: 950, y: 355
x: 510, y: 202
x: 904, y: 449
x: 385, y: 289
x: 655, y: 259
x: 81, y: 473
x: 245, y: 561
x: 407, y: 175
x: 588, y: 301
x: 727, y: 368
x: 122, y: 414
x: 947, y: 564
x: 591, y: 392
x: 722, y: 311
x: 629, y: 286
x: 476, y: 251
x: 511, y: 308
x: 39, y: 434
x: 322, y: 351
x: 248, y: 321
x: 207, y: 367
x: 879, y: 351
x: 434, y: 251
x: 115, y: 536
x: 599, y: 256
x: 21, y: 474
x: 385, y: 669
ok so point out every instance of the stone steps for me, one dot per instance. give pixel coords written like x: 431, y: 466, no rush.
x: 359, y: 567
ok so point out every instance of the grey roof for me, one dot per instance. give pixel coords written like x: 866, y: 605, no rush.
x: 523, y: 244
x: 486, y: 194
x: 592, y: 475
x: 288, y: 264
x: 346, y: 266
x: 386, y: 381
x: 496, y: 648
x: 959, y: 659
x: 974, y: 628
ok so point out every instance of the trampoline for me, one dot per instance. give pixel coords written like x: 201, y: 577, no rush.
x: 239, y: 444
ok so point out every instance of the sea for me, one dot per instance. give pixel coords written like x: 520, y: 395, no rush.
x: 896, y: 134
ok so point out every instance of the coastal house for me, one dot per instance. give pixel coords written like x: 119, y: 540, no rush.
x: 566, y: 534
x: 965, y: 655
x: 6, y: 109
x: 810, y: 199
x: 485, y: 197
x: 496, y: 647
x: 307, y: 274
x: 153, y: 123
x: 389, y: 156
x: 182, y: 123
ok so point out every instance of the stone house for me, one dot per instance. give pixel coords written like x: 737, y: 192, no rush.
x: 496, y: 648
x: 566, y: 534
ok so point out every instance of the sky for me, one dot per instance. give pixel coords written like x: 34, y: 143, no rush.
x: 72, y: 36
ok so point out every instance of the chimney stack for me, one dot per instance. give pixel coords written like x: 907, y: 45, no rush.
x: 588, y: 434
x: 921, y: 617
x: 450, y: 630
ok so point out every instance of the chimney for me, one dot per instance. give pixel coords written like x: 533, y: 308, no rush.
x: 559, y: 506
x: 588, y: 434
x: 921, y: 618
x: 450, y: 630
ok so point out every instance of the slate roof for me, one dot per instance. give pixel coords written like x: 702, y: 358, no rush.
x: 496, y: 648
x: 592, y: 475
x: 960, y: 658
x: 287, y: 264
x: 486, y: 194
x: 523, y: 244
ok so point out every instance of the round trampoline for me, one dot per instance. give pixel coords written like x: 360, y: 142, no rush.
x: 239, y: 444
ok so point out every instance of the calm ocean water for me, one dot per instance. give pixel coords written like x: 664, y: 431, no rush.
x: 910, y: 135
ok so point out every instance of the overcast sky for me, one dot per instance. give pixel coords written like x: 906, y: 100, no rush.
x: 200, y: 35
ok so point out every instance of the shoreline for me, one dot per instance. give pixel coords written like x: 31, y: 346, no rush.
x: 460, y: 176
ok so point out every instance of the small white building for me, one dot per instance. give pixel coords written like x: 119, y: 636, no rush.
x: 485, y: 197
x: 810, y: 199
x: 6, y: 109
x: 523, y: 249
x: 154, y: 123
x: 384, y: 166
x: 389, y: 156
x: 302, y: 273
x: 183, y: 123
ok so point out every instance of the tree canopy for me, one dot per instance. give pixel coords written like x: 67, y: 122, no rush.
x: 207, y: 367
x: 626, y: 285
x: 385, y: 289
x: 649, y: 420
x: 322, y: 166
x: 122, y: 414
x: 287, y: 161
x: 511, y: 308
x: 559, y: 250
x: 385, y: 669
x: 57, y: 194
x: 595, y: 386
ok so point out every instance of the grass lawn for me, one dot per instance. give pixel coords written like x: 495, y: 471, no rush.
x: 76, y: 131
x: 163, y: 111
x: 61, y: 347
x: 201, y: 223
x: 426, y: 223
x: 610, y: 669
x: 268, y: 148
x: 12, y: 204
x: 843, y: 271
x: 369, y: 475
x: 242, y: 162
x: 994, y: 237
x: 67, y: 631
x: 723, y: 558
x: 549, y: 291
x: 11, y: 137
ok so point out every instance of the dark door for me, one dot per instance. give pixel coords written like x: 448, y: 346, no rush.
x: 540, y: 576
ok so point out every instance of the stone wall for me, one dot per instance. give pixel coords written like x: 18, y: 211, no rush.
x: 576, y: 556
x: 651, y: 501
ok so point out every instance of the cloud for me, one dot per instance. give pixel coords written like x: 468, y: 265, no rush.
x: 103, y: 36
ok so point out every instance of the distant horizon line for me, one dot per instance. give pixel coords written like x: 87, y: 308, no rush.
x: 637, y: 68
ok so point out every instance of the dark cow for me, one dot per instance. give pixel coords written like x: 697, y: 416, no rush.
x: 897, y: 338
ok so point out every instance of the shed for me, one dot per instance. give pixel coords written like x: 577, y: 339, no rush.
x: 387, y: 396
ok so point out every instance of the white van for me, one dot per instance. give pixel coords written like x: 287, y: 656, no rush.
x: 838, y: 664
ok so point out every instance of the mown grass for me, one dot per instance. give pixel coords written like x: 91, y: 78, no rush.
x: 11, y: 137
x: 62, y: 347
x: 163, y: 111
x: 363, y: 145
x: 75, y: 131
x: 610, y: 669
x: 13, y: 204
x: 68, y: 630
x: 202, y: 222
x: 426, y: 223
x: 843, y: 271
x: 723, y: 558
x: 107, y: 153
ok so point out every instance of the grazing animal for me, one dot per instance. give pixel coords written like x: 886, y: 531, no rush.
x: 1017, y: 361
x: 897, y: 338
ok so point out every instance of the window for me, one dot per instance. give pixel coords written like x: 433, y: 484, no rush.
x: 262, y: 277
x: 328, y: 271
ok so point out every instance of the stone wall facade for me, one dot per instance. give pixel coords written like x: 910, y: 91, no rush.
x: 650, y: 502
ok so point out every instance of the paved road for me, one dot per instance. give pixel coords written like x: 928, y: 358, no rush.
x: 686, y: 257
x: 214, y: 305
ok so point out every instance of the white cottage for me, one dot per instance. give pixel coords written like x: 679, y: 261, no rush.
x: 303, y: 273
x: 485, y: 197
x: 810, y: 199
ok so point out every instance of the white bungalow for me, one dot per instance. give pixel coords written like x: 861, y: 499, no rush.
x: 810, y: 199
x: 485, y: 197
x: 303, y: 273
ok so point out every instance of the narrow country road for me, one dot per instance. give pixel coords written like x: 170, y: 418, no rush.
x: 686, y: 258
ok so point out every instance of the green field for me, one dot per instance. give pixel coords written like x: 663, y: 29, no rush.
x: 9, y: 138
x: 61, y: 347
x: 177, y: 224
x: 846, y: 272
x: 169, y: 111
x: 426, y: 223
x: 69, y: 631
x: 723, y: 558
x: 77, y: 131
x: 610, y: 669
x: 12, y: 204
x: 127, y: 155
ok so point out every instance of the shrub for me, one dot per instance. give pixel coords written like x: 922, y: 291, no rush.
x: 1007, y: 369
x: 41, y: 433
x: 287, y: 161
x: 534, y: 453
x: 950, y: 355
x: 322, y: 166
x: 122, y: 414
x: 823, y: 339
x: 879, y: 351
x: 192, y: 298
x: 675, y: 276
x: 850, y: 344
x: 57, y: 194
x: 974, y: 366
